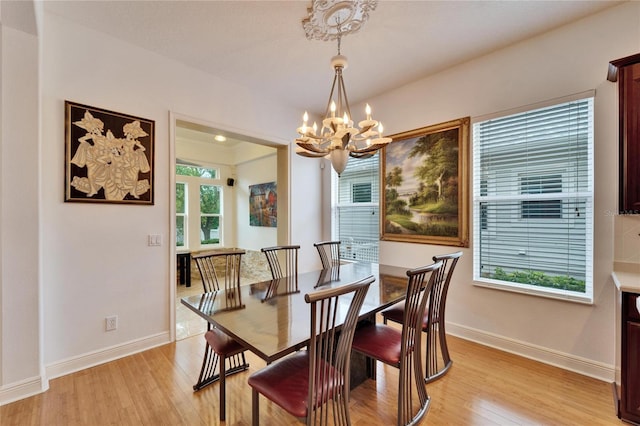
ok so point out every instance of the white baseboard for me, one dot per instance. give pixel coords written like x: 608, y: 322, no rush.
x: 33, y: 386
x: 91, y: 359
x: 23, y: 389
x: 587, y: 367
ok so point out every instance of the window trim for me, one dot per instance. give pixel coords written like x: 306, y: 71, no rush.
x: 529, y: 289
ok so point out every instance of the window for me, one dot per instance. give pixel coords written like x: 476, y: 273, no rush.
x: 210, y: 214
x: 356, y: 218
x: 361, y: 192
x: 198, y: 207
x: 191, y: 170
x: 181, y: 214
x: 533, y: 200
x: 541, y: 209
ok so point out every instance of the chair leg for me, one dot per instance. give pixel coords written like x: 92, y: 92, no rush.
x: 223, y: 387
x: 443, y: 345
x: 237, y: 363
x: 208, y: 371
x: 434, y: 336
x: 255, y: 408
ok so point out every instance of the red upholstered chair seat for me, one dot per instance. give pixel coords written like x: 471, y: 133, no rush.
x: 287, y: 383
x: 436, y: 342
x: 395, y: 313
x: 402, y: 348
x: 310, y: 383
x: 222, y: 355
x: 379, y: 341
x: 221, y: 343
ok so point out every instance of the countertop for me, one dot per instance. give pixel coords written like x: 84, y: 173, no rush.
x: 626, y: 276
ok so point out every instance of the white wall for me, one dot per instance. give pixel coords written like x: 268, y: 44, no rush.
x: 20, y: 325
x: 569, y: 60
x: 97, y: 260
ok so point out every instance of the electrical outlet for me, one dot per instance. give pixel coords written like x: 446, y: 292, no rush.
x: 111, y: 323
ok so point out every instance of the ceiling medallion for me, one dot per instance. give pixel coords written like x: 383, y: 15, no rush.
x: 327, y: 18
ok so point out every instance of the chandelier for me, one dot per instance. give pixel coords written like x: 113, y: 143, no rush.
x: 338, y: 139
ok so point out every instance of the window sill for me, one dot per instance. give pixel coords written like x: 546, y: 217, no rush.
x: 546, y: 293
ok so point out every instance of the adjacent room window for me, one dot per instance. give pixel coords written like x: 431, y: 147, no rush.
x: 210, y: 197
x: 533, y: 200
x: 198, y: 207
x: 356, y: 215
x: 361, y: 192
x: 181, y: 214
x: 541, y: 209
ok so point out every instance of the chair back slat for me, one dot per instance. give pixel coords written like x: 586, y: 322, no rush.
x: 221, y: 270
x: 330, y: 351
x: 283, y: 260
x: 329, y: 252
x: 441, y: 284
x: 435, y: 322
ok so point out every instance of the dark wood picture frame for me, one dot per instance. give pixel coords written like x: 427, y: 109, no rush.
x: 108, y: 156
x: 425, y: 176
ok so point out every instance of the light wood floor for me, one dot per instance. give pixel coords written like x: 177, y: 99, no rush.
x: 484, y: 387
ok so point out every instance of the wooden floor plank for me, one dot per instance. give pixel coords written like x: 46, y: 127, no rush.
x: 485, y: 386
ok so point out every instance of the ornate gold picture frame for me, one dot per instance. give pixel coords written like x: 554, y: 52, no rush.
x: 425, y: 176
x: 108, y: 156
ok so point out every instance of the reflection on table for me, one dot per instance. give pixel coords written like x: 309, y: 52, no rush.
x: 273, y: 318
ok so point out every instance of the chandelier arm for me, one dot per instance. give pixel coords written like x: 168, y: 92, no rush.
x: 310, y: 154
x: 372, y: 148
x: 311, y: 147
x: 343, y: 94
x: 333, y: 86
x: 359, y: 155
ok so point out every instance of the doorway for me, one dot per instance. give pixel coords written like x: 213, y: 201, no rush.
x: 209, y: 161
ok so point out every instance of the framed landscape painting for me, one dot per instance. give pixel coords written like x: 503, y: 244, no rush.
x: 425, y: 176
x: 108, y: 156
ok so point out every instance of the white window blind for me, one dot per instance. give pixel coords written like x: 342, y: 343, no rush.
x: 533, y: 200
x: 356, y: 209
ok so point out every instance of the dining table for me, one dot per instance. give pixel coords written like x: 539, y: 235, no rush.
x: 271, y: 318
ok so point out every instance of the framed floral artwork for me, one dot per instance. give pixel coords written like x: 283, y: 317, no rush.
x: 108, y: 156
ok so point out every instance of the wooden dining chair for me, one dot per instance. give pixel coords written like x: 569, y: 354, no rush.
x: 402, y: 348
x: 283, y: 260
x: 220, y: 270
x: 314, y: 383
x: 433, y: 322
x: 329, y: 252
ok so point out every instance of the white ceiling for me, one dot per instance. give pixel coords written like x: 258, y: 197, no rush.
x: 261, y: 44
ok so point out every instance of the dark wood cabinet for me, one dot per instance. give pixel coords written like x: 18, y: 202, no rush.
x: 626, y: 71
x: 629, y: 409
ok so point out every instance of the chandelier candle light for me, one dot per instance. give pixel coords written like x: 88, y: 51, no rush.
x: 338, y: 139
